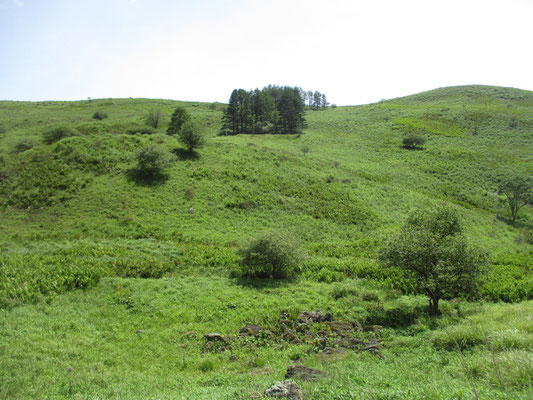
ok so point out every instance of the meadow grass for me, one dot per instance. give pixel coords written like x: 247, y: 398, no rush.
x: 119, y: 278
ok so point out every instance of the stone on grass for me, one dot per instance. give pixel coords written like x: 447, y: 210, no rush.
x: 286, y: 389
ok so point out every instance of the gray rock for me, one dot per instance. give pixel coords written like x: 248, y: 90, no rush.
x: 287, y: 389
x: 212, y: 337
x: 251, y: 330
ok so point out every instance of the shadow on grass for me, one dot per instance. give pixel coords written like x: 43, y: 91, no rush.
x: 145, y: 178
x: 184, y: 155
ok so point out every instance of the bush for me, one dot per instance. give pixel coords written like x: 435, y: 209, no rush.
x: 413, y: 141
x: 23, y: 145
x: 271, y: 255
x: 56, y: 134
x: 99, y: 115
x: 152, y: 162
x: 191, y: 136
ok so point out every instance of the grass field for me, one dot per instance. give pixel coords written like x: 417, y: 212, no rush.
x: 108, y: 283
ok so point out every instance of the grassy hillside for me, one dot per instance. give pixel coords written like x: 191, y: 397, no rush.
x: 74, y: 216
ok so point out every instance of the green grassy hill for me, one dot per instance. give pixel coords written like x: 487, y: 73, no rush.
x: 74, y: 216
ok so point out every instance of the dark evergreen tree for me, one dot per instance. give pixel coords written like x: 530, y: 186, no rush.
x: 178, y: 118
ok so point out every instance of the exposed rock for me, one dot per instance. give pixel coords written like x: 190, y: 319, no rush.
x: 329, y: 350
x: 304, y: 373
x: 372, y: 328
x: 349, y: 343
x: 290, y: 337
x: 214, y: 337
x: 315, y: 316
x: 341, y: 328
x: 251, y: 330
x: 286, y: 389
x: 286, y: 322
x: 322, y: 343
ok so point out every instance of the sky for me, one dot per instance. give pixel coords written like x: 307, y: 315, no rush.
x: 355, y: 52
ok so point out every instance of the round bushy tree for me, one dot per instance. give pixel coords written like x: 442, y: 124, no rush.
x: 432, y: 250
x: 191, y: 135
x: 152, y: 162
x: 271, y: 255
x: 179, y: 117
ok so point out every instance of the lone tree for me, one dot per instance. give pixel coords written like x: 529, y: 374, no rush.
x: 191, y: 136
x: 432, y: 250
x: 153, y: 118
x: 177, y: 120
x: 518, y: 191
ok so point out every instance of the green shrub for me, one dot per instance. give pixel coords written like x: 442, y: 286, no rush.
x: 23, y: 145
x: 152, y: 162
x: 99, y: 115
x: 413, y: 141
x: 271, y: 255
x: 191, y: 135
x: 56, y: 134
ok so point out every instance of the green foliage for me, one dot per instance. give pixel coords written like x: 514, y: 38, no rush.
x: 142, y: 130
x: 191, y: 135
x: 100, y: 115
x: 433, y: 250
x: 38, y: 178
x: 177, y: 120
x: 518, y: 191
x: 273, y: 109
x: 509, y: 283
x: 271, y: 255
x: 25, y: 278
x: 412, y: 141
x: 153, y: 118
x: 57, y: 133
x: 23, y: 145
x: 152, y: 162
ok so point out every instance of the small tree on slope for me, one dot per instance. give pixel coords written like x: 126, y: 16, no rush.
x: 432, y: 250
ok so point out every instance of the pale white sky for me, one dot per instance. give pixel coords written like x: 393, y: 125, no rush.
x: 353, y: 51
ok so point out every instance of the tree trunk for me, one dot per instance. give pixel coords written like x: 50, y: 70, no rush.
x: 434, y: 306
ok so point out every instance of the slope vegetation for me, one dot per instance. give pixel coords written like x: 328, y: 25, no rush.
x: 74, y: 216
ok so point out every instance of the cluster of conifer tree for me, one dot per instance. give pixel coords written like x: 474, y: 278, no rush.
x: 273, y: 109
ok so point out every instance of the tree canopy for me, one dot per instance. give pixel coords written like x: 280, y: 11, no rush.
x: 432, y: 250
